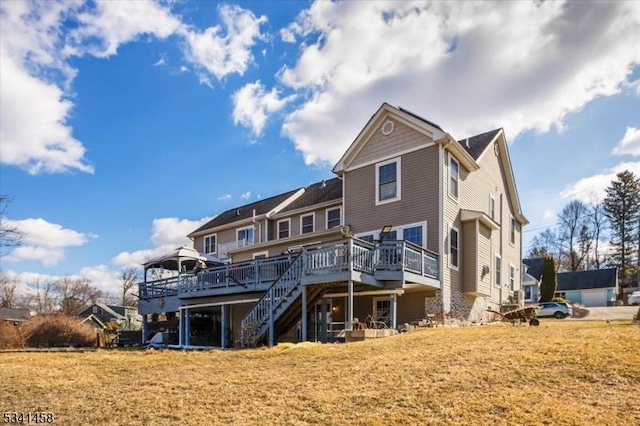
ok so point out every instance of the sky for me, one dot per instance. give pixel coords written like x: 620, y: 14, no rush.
x: 125, y: 125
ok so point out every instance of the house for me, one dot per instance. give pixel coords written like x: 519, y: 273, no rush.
x: 414, y: 223
x: 532, y: 274
x: 589, y: 288
x: 100, y: 314
x: 14, y: 314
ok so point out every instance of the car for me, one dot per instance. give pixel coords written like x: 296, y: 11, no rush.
x: 634, y: 298
x: 557, y: 310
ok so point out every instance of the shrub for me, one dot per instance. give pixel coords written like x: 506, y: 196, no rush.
x: 10, y: 335
x: 58, y: 330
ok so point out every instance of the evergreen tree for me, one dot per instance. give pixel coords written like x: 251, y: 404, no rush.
x: 622, y: 208
x: 549, y: 280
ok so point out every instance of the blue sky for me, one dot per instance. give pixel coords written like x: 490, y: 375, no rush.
x: 125, y: 125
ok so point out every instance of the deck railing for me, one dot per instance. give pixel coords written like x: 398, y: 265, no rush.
x: 356, y: 254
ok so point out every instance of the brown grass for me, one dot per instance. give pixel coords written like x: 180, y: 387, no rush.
x: 563, y: 372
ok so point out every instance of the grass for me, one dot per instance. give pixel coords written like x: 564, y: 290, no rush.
x: 563, y: 372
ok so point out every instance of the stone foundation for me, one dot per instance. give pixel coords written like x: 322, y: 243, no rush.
x: 464, y: 310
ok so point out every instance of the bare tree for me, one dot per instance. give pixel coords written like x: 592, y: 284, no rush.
x: 129, y: 278
x: 575, y: 234
x: 547, y: 244
x: 598, y: 224
x: 42, y: 298
x: 10, y: 236
x: 8, y: 286
x: 75, y: 294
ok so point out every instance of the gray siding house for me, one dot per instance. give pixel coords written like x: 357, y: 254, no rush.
x: 415, y: 223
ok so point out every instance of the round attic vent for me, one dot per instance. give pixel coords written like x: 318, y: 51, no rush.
x: 387, y: 127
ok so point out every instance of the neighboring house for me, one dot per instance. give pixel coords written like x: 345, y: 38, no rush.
x: 589, y: 288
x: 100, y: 314
x: 437, y: 225
x: 532, y: 273
x: 14, y: 314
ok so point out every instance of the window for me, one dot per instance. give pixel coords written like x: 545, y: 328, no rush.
x: 382, y: 309
x: 413, y: 234
x: 527, y: 292
x: 283, y: 228
x: 454, y: 172
x: 244, y: 236
x: 512, y: 277
x: 454, y: 243
x: 513, y: 231
x: 210, y: 244
x: 498, y: 273
x: 388, y: 181
x: 261, y: 255
x: 334, y: 217
x: 307, y: 223
x: 391, y: 236
x: 492, y: 208
x: 368, y: 238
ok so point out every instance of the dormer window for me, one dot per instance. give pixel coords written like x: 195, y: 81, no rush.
x: 388, y: 181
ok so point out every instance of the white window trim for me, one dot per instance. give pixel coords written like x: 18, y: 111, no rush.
x: 326, y: 216
x: 313, y: 222
x: 451, y: 265
x: 497, y: 270
x: 242, y: 229
x: 453, y: 197
x: 512, y: 231
x: 288, y: 220
x: 512, y: 278
x: 204, y: 244
x: 260, y: 253
x: 398, y: 196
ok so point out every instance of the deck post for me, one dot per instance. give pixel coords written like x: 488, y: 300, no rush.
x: 349, y: 324
x: 394, y: 309
x: 187, y: 328
x: 304, y: 313
x: 145, y: 329
x: 223, y: 326
x: 271, y: 320
x: 323, y: 321
x: 180, y: 327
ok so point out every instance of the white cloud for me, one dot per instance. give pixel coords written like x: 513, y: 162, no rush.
x: 166, y: 235
x: 225, y: 197
x: 252, y: 104
x: 104, y: 279
x: 593, y: 187
x: 630, y: 143
x: 43, y: 241
x: 221, y: 55
x: 246, y: 195
x: 38, y: 39
x: 112, y: 23
x: 469, y: 66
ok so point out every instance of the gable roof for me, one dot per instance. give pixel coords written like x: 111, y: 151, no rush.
x: 317, y: 193
x: 585, y: 280
x: 426, y: 127
x: 534, y: 265
x: 14, y: 314
x: 245, y: 212
x: 477, y: 144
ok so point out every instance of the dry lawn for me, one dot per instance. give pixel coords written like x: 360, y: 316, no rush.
x: 563, y: 372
